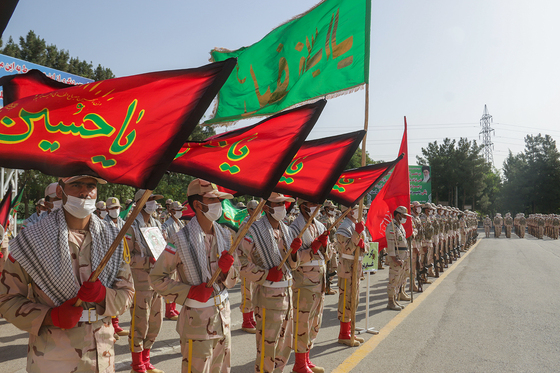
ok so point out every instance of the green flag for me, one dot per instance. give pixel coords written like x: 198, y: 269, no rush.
x: 324, y: 51
x: 232, y: 216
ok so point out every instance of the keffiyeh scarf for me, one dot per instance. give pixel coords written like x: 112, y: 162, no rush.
x: 43, y: 252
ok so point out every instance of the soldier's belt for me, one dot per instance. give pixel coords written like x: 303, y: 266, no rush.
x: 402, y: 248
x: 313, y: 263
x: 89, y: 316
x: 214, y: 301
x: 278, y: 284
x: 351, y: 257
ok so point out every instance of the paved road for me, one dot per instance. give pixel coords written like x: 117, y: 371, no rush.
x: 496, y: 310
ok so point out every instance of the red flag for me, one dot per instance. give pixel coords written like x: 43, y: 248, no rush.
x: 395, y: 193
x: 5, y: 207
x: 125, y: 130
x: 250, y: 160
x: 32, y: 83
x: 354, y: 184
x: 317, y: 166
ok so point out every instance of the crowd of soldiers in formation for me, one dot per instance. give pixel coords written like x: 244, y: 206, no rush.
x: 537, y: 225
x: 282, y: 308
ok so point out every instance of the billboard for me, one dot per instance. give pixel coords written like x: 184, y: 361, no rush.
x: 420, y: 184
x: 11, y: 65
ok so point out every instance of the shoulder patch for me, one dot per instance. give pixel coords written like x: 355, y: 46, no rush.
x: 12, y: 259
x: 128, y: 236
x: 170, y: 248
x: 249, y: 238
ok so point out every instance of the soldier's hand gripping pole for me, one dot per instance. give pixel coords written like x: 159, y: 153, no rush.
x: 307, y: 224
x: 128, y: 223
x: 238, y: 239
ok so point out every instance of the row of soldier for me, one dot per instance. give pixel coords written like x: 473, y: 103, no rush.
x: 537, y: 225
x: 281, y: 303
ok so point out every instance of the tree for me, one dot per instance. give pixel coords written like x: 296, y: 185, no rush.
x: 459, y: 173
x: 34, y: 49
x: 531, y: 177
x: 356, y: 160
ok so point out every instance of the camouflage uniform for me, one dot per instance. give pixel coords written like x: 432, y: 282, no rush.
x: 487, y: 226
x: 146, y: 313
x: 346, y: 244
x: 204, y: 331
x: 332, y: 264
x: 396, y: 246
x: 309, y: 286
x: 85, y: 347
x: 272, y: 300
x: 509, y: 225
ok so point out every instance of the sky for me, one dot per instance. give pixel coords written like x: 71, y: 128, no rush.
x: 436, y: 62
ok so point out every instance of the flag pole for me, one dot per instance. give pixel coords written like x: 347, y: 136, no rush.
x: 355, y: 288
x: 307, y: 224
x: 238, y: 239
x: 128, y: 223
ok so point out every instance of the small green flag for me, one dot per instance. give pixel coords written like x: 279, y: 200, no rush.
x: 324, y: 51
x: 124, y: 213
x: 232, y: 216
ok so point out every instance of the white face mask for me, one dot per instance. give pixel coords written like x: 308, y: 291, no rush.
x: 178, y: 214
x: 331, y: 213
x: 79, y: 207
x: 312, y: 210
x: 279, y: 213
x: 56, y: 205
x: 355, y: 214
x: 418, y: 210
x: 150, y: 207
x: 214, y: 211
x: 114, y: 213
x: 102, y: 214
x: 403, y: 220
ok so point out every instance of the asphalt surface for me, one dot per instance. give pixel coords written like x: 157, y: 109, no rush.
x: 495, y: 310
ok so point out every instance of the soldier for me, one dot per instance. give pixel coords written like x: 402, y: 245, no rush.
x: 328, y: 219
x: 498, y: 225
x: 40, y: 213
x: 397, y: 251
x: 166, y: 214
x: 487, y: 226
x: 416, y: 243
x: 171, y: 226
x: 195, y: 252
x: 113, y: 208
x: 146, y: 311
x: 350, y: 236
x: 52, y: 202
x: 53, y: 260
x: 509, y: 224
x: 427, y: 244
x: 101, y: 210
x: 260, y: 253
x: 309, y: 285
x: 247, y: 286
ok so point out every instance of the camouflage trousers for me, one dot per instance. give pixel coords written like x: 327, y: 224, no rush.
x: 508, y: 231
x: 522, y: 231
x: 5, y: 254
x: 487, y: 230
x: 276, y: 340
x: 308, y: 316
x: 247, y: 290
x: 207, y: 355
x: 147, y: 316
x: 398, y: 274
x: 429, y: 251
x: 345, y: 299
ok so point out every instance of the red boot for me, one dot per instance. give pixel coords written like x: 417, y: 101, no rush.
x: 301, y: 363
x: 174, y: 309
x: 118, y: 330
x: 169, y: 312
x: 249, y: 324
x: 146, y: 360
x: 313, y: 367
x: 344, y: 337
x: 137, y: 363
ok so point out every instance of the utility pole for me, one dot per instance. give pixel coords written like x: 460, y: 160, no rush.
x: 486, y: 132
